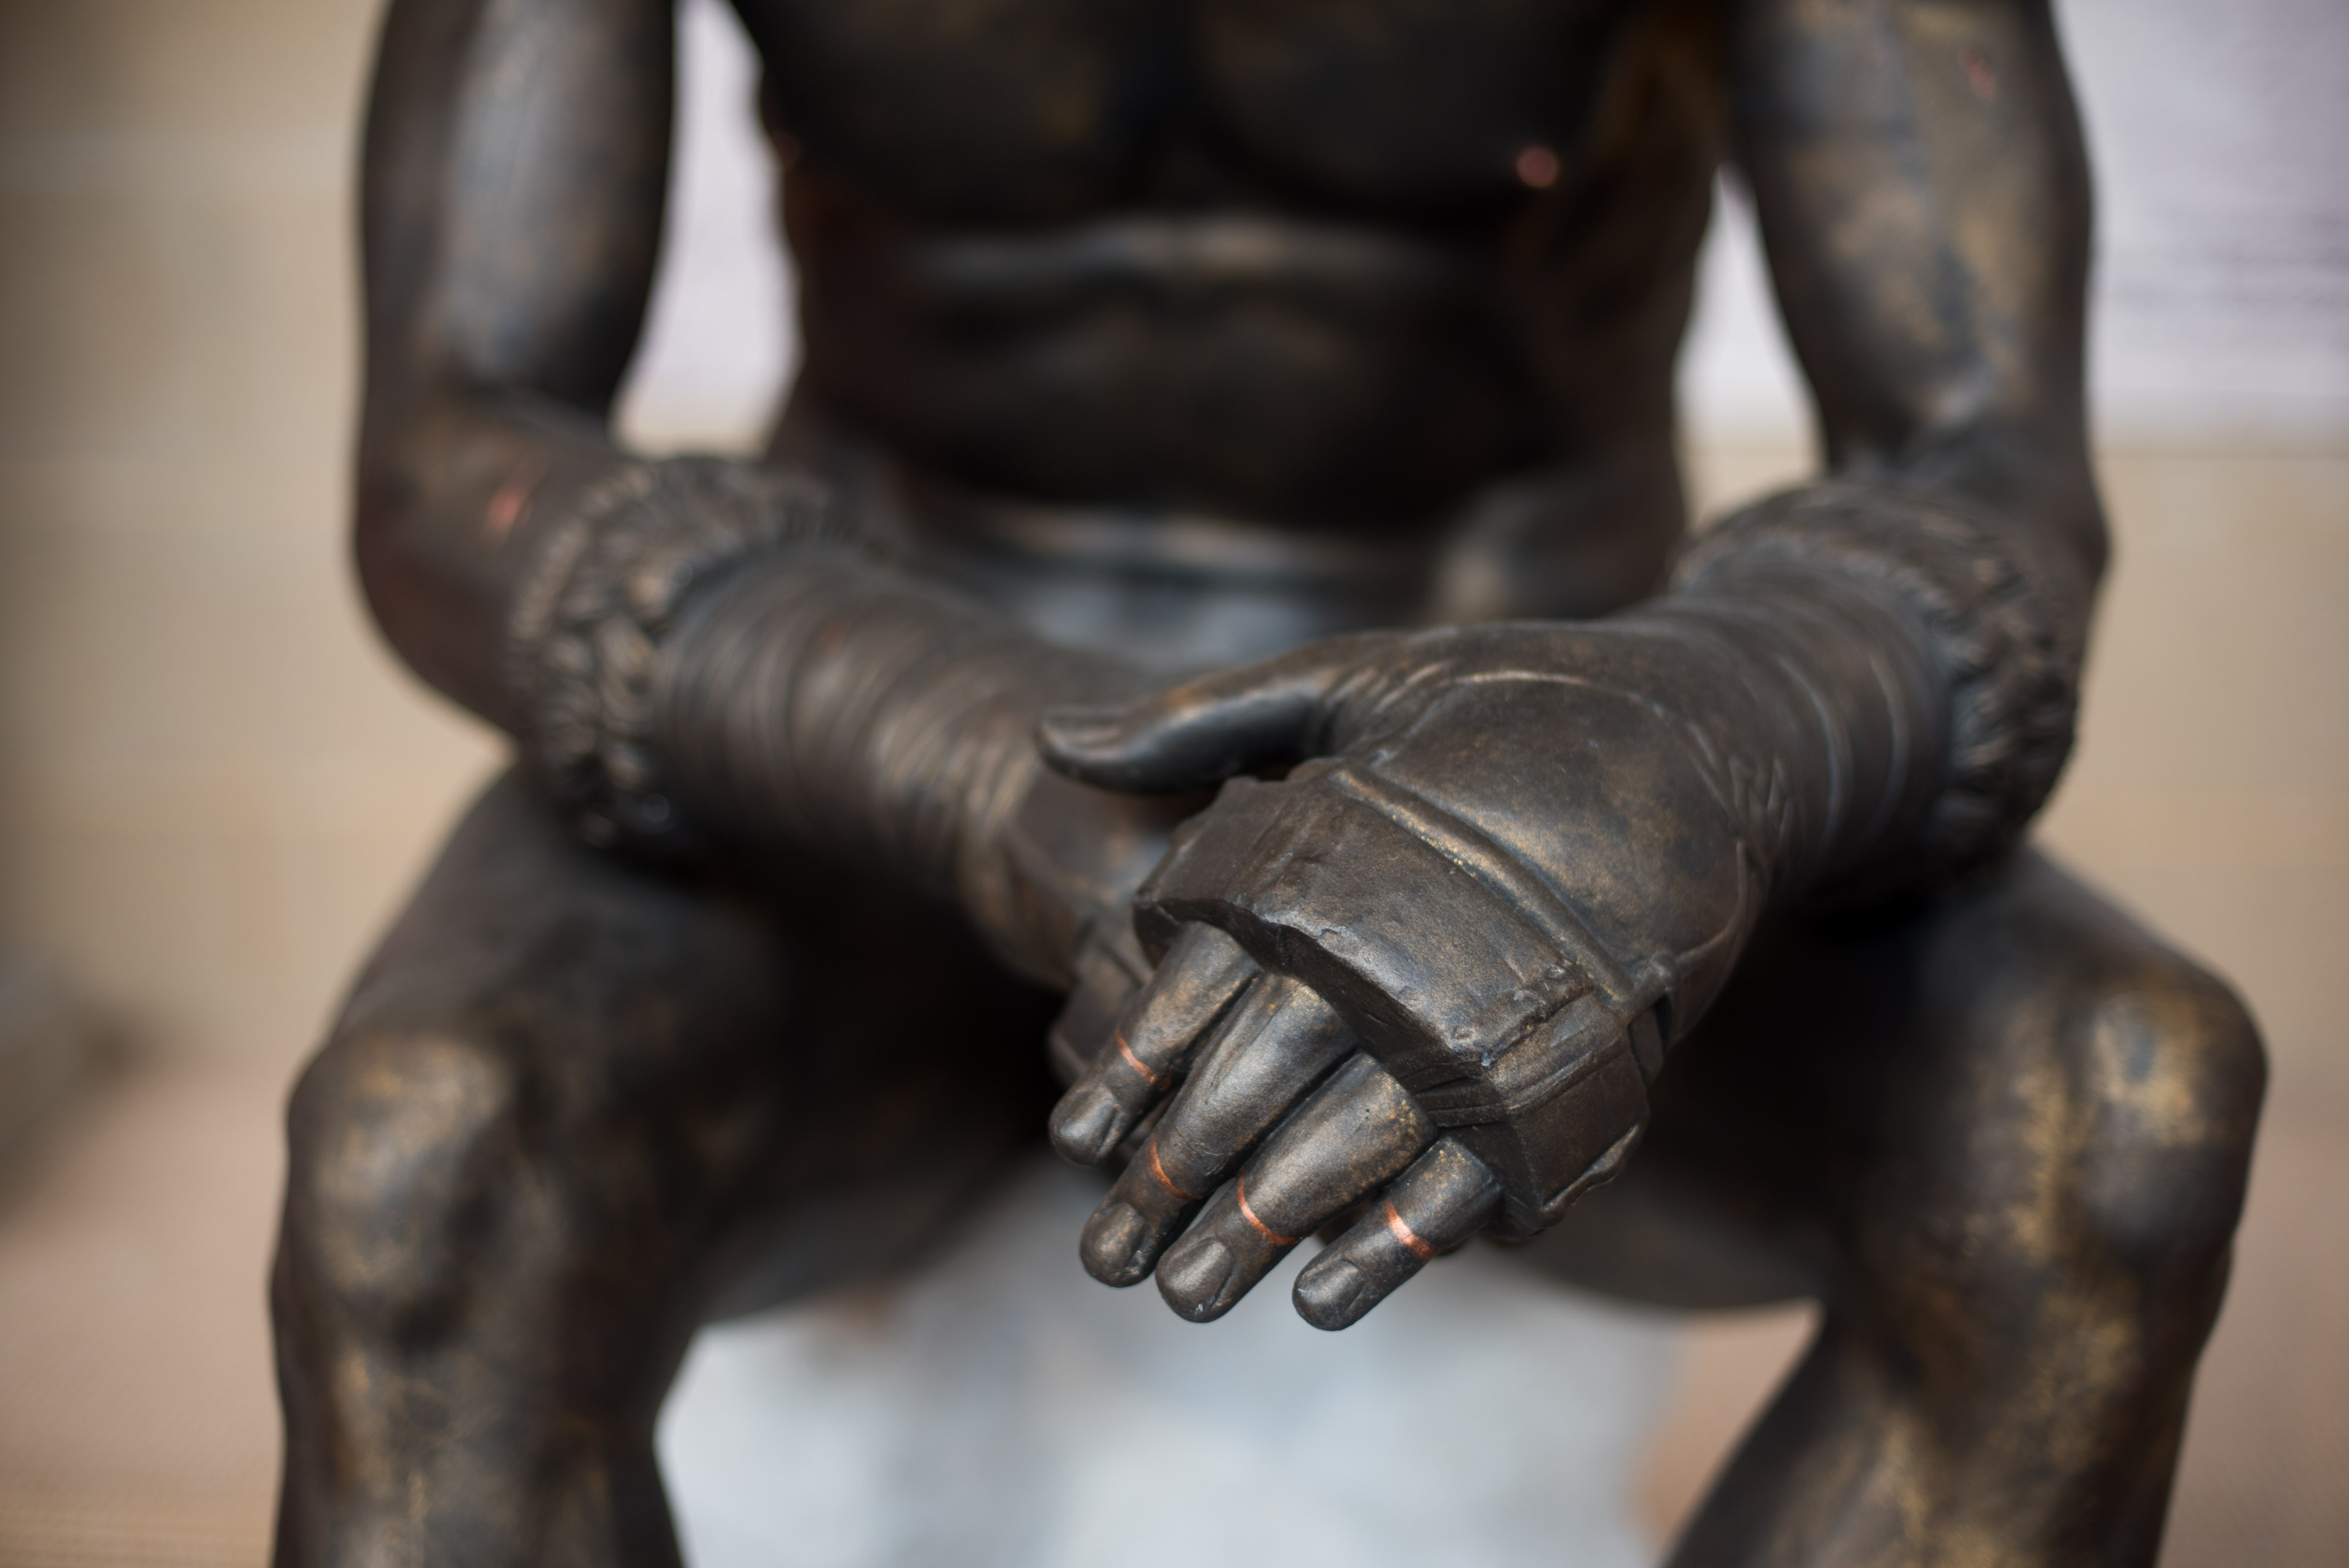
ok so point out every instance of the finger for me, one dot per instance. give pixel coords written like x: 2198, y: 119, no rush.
x: 1441, y: 1201
x: 1149, y: 1044
x: 1268, y: 1053
x: 1110, y: 968
x: 1203, y: 730
x: 1357, y: 1133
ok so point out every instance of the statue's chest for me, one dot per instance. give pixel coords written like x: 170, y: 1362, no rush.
x: 1049, y: 108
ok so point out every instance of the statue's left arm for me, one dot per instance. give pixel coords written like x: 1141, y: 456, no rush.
x: 1517, y: 862
x: 1924, y: 198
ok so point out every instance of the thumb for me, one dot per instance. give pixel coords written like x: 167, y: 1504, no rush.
x: 1235, y: 721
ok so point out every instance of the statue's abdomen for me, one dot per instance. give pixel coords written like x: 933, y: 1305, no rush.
x: 1285, y: 260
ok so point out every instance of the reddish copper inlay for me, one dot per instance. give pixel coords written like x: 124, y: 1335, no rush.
x: 1408, y: 1237
x: 1537, y: 166
x: 1159, y: 1171
x: 511, y: 504
x: 1978, y: 75
x: 1134, y: 1061
x: 1263, y: 1230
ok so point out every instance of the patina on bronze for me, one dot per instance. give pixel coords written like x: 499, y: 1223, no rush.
x: 1275, y: 394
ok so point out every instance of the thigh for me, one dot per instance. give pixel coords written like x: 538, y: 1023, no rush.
x: 1927, y: 1104
x: 573, y: 1109
x: 744, y: 1087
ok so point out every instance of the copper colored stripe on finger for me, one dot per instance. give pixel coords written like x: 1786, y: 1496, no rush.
x: 1263, y: 1230
x: 1134, y: 1061
x: 1408, y: 1237
x: 1159, y: 1171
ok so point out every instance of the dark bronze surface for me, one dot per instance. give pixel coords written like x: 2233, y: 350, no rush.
x: 1671, y: 921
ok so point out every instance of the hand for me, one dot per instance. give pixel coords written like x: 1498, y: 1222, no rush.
x: 1072, y: 857
x: 1519, y: 861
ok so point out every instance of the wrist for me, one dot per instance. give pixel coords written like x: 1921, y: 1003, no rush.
x: 827, y: 701
x: 1823, y: 717
x: 603, y: 592
x: 1937, y: 659
x: 830, y: 700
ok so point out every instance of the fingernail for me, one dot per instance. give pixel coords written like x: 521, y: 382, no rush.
x: 1086, y: 1125
x: 1193, y: 1278
x: 1111, y: 1237
x: 1326, y: 1293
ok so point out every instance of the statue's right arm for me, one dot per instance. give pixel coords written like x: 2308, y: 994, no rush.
x: 516, y: 164
x: 694, y: 653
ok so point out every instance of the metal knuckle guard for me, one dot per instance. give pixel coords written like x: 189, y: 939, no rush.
x: 1480, y: 922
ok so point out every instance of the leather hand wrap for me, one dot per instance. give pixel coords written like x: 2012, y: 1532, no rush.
x: 705, y: 654
x: 1467, y: 892
x: 1520, y: 860
x: 2006, y: 638
x: 607, y: 586
x: 836, y: 703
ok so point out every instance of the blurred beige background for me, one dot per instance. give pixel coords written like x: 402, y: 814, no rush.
x: 214, y: 784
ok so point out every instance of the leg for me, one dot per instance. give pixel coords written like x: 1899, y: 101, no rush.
x: 2004, y: 1142
x: 570, y: 1110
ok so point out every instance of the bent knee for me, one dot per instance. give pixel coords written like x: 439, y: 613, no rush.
x: 2078, y: 1167
x: 398, y: 1144
x: 2169, y: 1072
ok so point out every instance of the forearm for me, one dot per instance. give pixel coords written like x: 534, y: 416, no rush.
x: 1905, y: 653
x: 705, y: 655
x: 821, y: 697
x: 699, y: 654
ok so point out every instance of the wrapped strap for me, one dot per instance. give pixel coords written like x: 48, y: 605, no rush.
x: 2001, y: 632
x: 608, y: 584
x: 705, y: 653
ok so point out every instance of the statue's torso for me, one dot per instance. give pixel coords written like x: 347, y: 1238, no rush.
x: 1334, y: 265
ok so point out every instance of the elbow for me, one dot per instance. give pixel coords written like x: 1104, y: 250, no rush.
x: 2033, y: 475
x: 385, y: 512
x: 377, y: 514
x: 428, y: 607
x: 2050, y: 489
x: 2092, y: 540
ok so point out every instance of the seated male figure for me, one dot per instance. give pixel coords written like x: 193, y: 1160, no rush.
x: 1278, y: 393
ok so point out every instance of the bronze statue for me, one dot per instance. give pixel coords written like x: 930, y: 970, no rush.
x: 1278, y: 397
